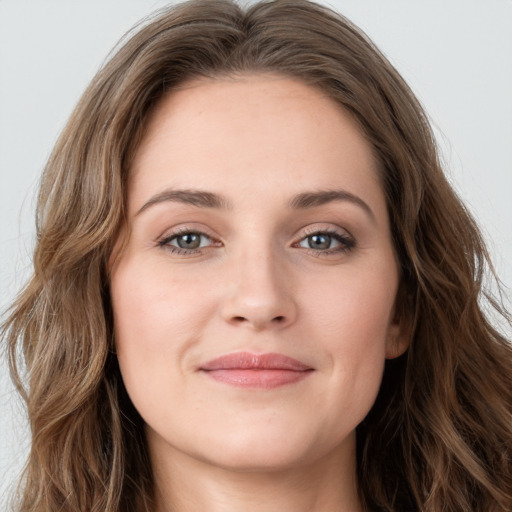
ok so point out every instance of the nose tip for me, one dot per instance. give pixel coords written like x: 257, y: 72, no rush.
x: 260, y: 299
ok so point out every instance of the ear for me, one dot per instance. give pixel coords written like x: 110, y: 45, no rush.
x: 398, y: 334
x: 397, y: 342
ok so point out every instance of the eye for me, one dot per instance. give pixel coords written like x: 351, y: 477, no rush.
x: 327, y: 242
x: 189, y: 241
x: 186, y: 242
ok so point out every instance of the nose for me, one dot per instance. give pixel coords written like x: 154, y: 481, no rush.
x: 260, y: 294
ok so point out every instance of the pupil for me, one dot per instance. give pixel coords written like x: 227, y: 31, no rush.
x: 189, y: 241
x: 319, y: 241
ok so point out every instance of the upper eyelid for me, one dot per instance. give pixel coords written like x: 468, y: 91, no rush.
x: 181, y: 230
x: 164, y: 240
x: 344, y: 238
x: 337, y: 230
x: 171, y: 236
x: 319, y: 227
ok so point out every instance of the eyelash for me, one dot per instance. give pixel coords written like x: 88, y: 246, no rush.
x: 165, y: 242
x: 347, y: 242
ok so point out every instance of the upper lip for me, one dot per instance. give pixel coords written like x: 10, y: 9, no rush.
x: 249, y: 361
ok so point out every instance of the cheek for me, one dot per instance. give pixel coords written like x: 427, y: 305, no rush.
x: 157, y: 319
x: 354, y: 319
x: 152, y: 305
x: 354, y: 309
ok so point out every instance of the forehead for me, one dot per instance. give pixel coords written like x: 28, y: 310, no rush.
x: 252, y: 132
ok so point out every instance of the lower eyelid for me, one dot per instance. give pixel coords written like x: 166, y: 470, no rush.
x: 168, y: 244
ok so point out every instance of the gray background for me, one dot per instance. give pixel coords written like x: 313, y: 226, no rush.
x: 456, y: 55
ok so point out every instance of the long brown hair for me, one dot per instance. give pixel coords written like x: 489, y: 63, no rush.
x: 439, y: 437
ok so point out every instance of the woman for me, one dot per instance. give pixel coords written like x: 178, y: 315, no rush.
x: 254, y: 288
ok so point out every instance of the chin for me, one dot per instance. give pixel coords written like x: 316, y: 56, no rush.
x: 263, y: 460
x: 264, y: 451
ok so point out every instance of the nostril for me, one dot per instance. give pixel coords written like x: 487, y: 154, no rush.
x: 240, y: 319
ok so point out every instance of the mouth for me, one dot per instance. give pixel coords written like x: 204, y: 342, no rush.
x: 263, y: 371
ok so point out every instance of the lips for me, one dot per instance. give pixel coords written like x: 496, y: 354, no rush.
x: 265, y: 371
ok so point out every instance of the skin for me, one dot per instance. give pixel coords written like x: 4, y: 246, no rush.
x: 254, y: 284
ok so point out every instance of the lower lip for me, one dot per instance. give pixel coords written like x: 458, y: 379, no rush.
x: 262, y: 379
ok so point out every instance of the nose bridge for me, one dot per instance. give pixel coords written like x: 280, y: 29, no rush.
x: 260, y: 294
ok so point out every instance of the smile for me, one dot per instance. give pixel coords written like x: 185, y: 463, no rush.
x: 259, y: 371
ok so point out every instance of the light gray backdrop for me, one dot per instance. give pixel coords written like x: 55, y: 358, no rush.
x: 456, y: 54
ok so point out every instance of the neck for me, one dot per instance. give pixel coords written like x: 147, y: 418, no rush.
x: 187, y: 484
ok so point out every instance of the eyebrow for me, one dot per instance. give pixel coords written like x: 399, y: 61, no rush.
x: 197, y: 198
x: 302, y: 201
x: 313, y: 199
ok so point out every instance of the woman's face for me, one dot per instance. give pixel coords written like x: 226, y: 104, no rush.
x: 254, y: 301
